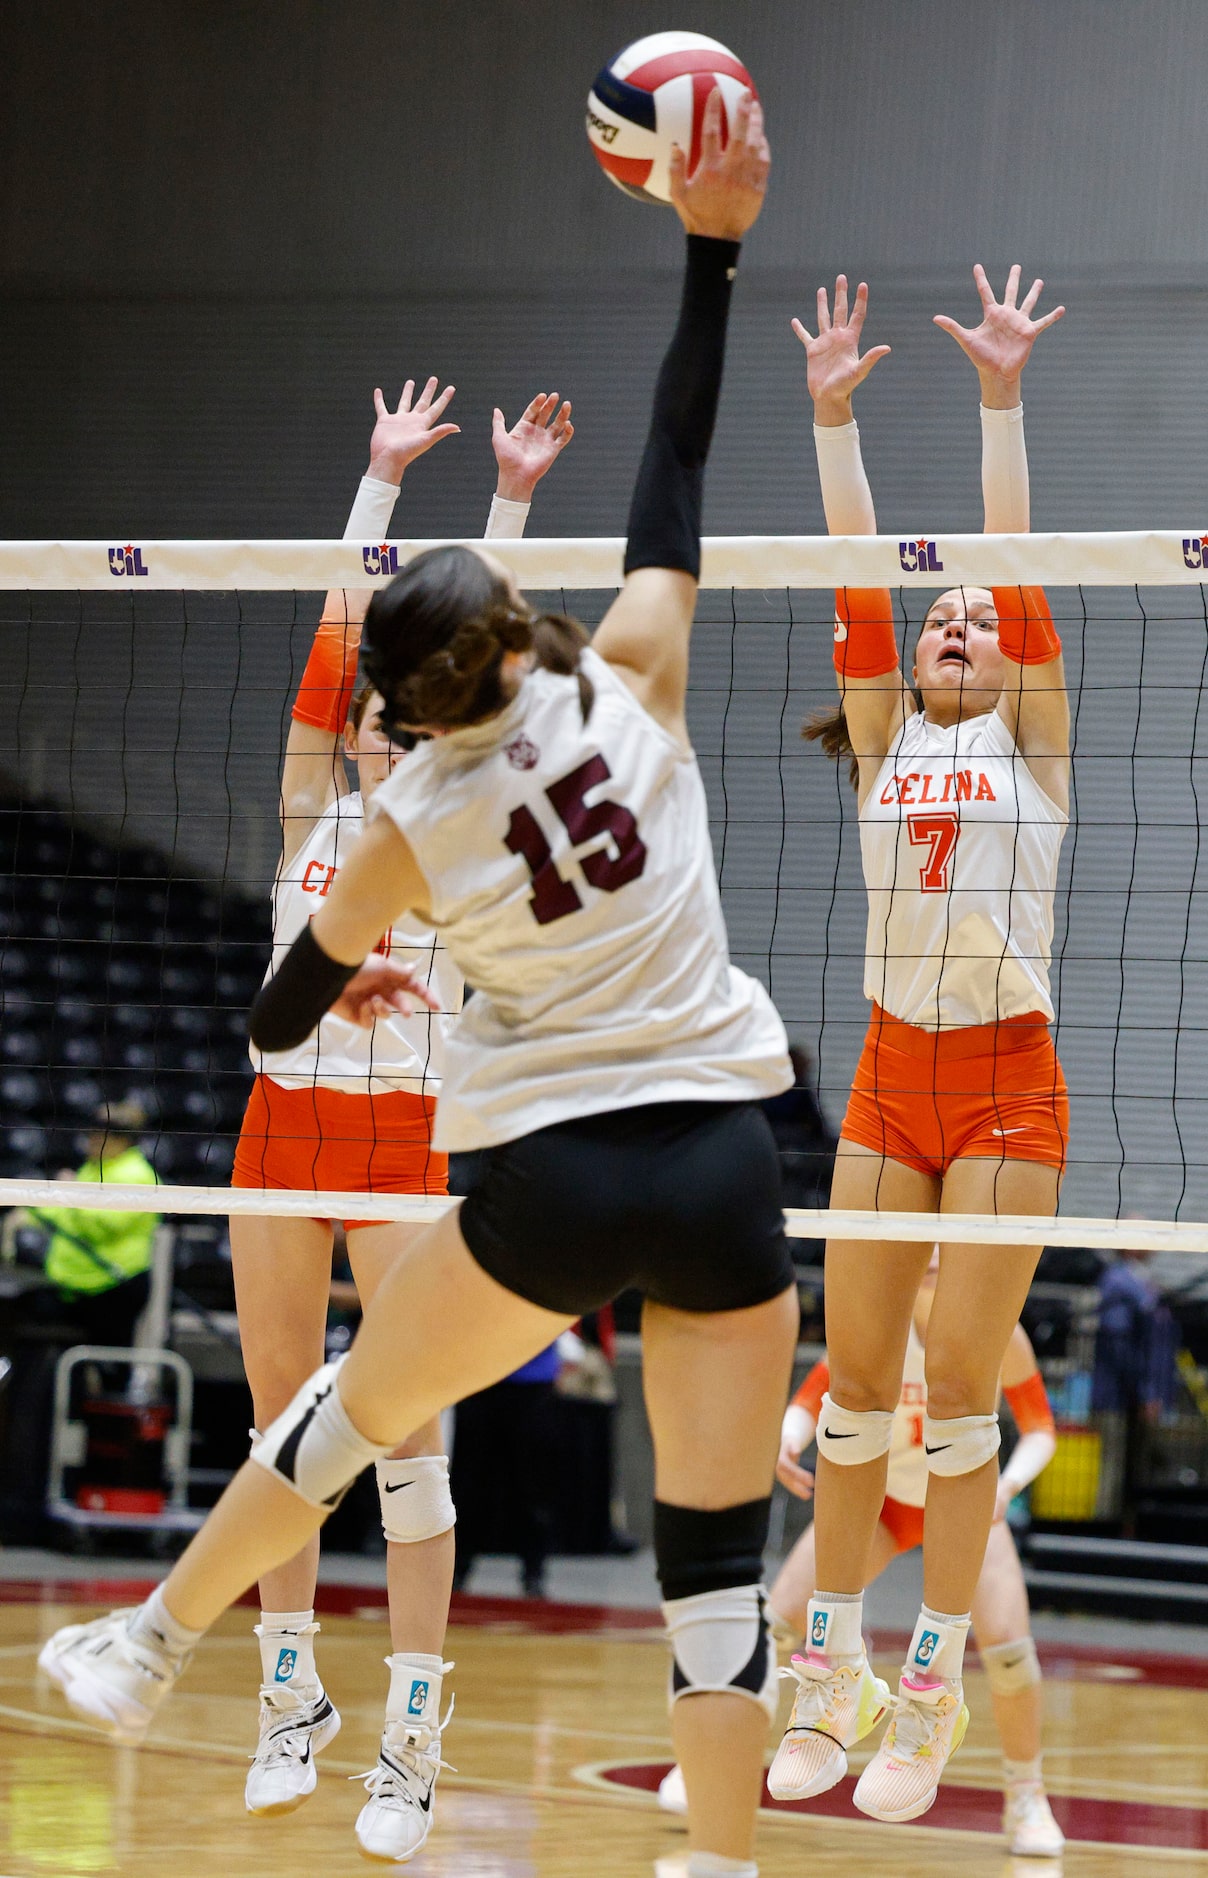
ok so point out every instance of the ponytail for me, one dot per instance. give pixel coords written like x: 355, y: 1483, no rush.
x: 437, y: 636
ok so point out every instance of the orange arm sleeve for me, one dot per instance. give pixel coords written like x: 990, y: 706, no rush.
x: 1029, y: 1404
x: 1026, y: 633
x: 866, y: 640
x: 330, y: 677
x: 809, y: 1396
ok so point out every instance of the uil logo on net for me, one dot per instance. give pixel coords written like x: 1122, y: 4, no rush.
x: 127, y: 560
x: 1195, y: 550
x: 920, y: 557
x: 380, y: 560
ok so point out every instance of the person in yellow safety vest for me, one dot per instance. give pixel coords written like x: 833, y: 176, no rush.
x: 98, y: 1267
x: 98, y: 1261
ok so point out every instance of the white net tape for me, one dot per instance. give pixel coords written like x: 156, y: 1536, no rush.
x: 1139, y: 1235
x: 1176, y: 557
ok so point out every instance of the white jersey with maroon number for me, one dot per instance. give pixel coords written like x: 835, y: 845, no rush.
x: 960, y: 847
x: 906, y: 1481
x: 399, y: 1053
x: 570, y: 873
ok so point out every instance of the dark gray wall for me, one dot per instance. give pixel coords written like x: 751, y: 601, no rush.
x: 377, y: 144
x: 221, y: 226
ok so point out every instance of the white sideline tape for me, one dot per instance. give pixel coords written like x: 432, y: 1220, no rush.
x: 1173, y: 557
x: 1137, y: 1235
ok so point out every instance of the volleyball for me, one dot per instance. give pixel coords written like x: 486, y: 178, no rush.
x: 653, y: 95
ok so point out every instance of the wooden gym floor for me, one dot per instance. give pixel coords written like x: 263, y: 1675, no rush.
x: 560, y: 1736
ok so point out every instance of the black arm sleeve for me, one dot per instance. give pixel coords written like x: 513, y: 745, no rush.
x: 664, y: 516
x: 298, y: 995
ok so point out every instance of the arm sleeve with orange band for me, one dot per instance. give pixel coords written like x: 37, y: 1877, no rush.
x: 1029, y: 1404
x: 866, y: 643
x: 331, y: 670
x: 330, y: 678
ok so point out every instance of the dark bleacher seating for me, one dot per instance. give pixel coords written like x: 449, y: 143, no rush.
x: 118, y: 976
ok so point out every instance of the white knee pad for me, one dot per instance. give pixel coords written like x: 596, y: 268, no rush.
x: 962, y: 1445
x: 722, y: 1644
x: 415, y: 1497
x: 849, y: 1439
x: 312, y: 1447
x: 1011, y: 1667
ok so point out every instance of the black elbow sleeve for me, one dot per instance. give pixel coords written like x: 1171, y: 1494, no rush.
x: 297, y: 996
x: 665, y: 514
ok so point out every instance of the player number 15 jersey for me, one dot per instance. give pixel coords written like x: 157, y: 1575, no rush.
x: 570, y: 874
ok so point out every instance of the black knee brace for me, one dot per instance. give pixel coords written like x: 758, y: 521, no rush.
x: 697, y: 1551
x: 709, y: 1567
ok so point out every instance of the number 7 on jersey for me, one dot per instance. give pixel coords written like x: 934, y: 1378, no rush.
x: 939, y: 833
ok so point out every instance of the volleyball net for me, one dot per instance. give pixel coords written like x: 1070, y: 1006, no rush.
x: 142, y: 727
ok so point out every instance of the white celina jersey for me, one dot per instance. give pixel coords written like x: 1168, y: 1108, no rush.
x: 906, y: 1481
x: 570, y: 873
x: 960, y: 846
x: 399, y: 1053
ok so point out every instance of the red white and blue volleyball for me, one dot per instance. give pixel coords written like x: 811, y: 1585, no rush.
x: 653, y: 95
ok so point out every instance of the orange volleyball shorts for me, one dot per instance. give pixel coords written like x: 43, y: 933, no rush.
x: 330, y: 1142
x: 904, y: 1523
x: 928, y: 1098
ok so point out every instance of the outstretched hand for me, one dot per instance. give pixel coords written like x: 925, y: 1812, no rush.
x: 833, y: 363
x: 725, y: 192
x: 382, y: 988
x: 1001, y: 346
x: 525, y: 452
x: 400, y: 436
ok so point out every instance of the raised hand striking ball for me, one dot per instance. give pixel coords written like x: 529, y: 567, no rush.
x: 653, y: 95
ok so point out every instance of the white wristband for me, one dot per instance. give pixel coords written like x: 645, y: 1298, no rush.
x: 797, y: 1428
x: 372, y: 512
x: 1005, y: 495
x: 1031, y: 1456
x: 846, y: 496
x: 506, y: 520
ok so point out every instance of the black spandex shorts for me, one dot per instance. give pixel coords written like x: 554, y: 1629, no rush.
x: 679, y: 1199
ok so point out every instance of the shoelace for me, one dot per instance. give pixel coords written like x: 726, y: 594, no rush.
x: 286, y: 1739
x: 913, y: 1725
x: 809, y: 1684
x: 386, y: 1782
x: 1029, y: 1806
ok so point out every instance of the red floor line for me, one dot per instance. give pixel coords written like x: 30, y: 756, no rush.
x: 979, y: 1809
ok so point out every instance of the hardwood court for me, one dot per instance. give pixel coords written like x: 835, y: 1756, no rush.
x: 559, y: 1737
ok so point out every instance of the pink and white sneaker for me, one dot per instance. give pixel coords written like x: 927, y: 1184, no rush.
x: 834, y: 1707
x: 928, y: 1725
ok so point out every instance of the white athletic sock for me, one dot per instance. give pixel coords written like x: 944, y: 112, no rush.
x: 1022, y: 1773
x: 833, y: 1628
x: 937, y: 1648
x: 416, y: 1680
x: 712, y: 1865
x: 154, y: 1625
x: 287, y: 1649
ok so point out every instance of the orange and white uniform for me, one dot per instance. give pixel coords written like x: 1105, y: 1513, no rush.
x: 906, y: 1482
x: 960, y: 847
x: 349, y: 1110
